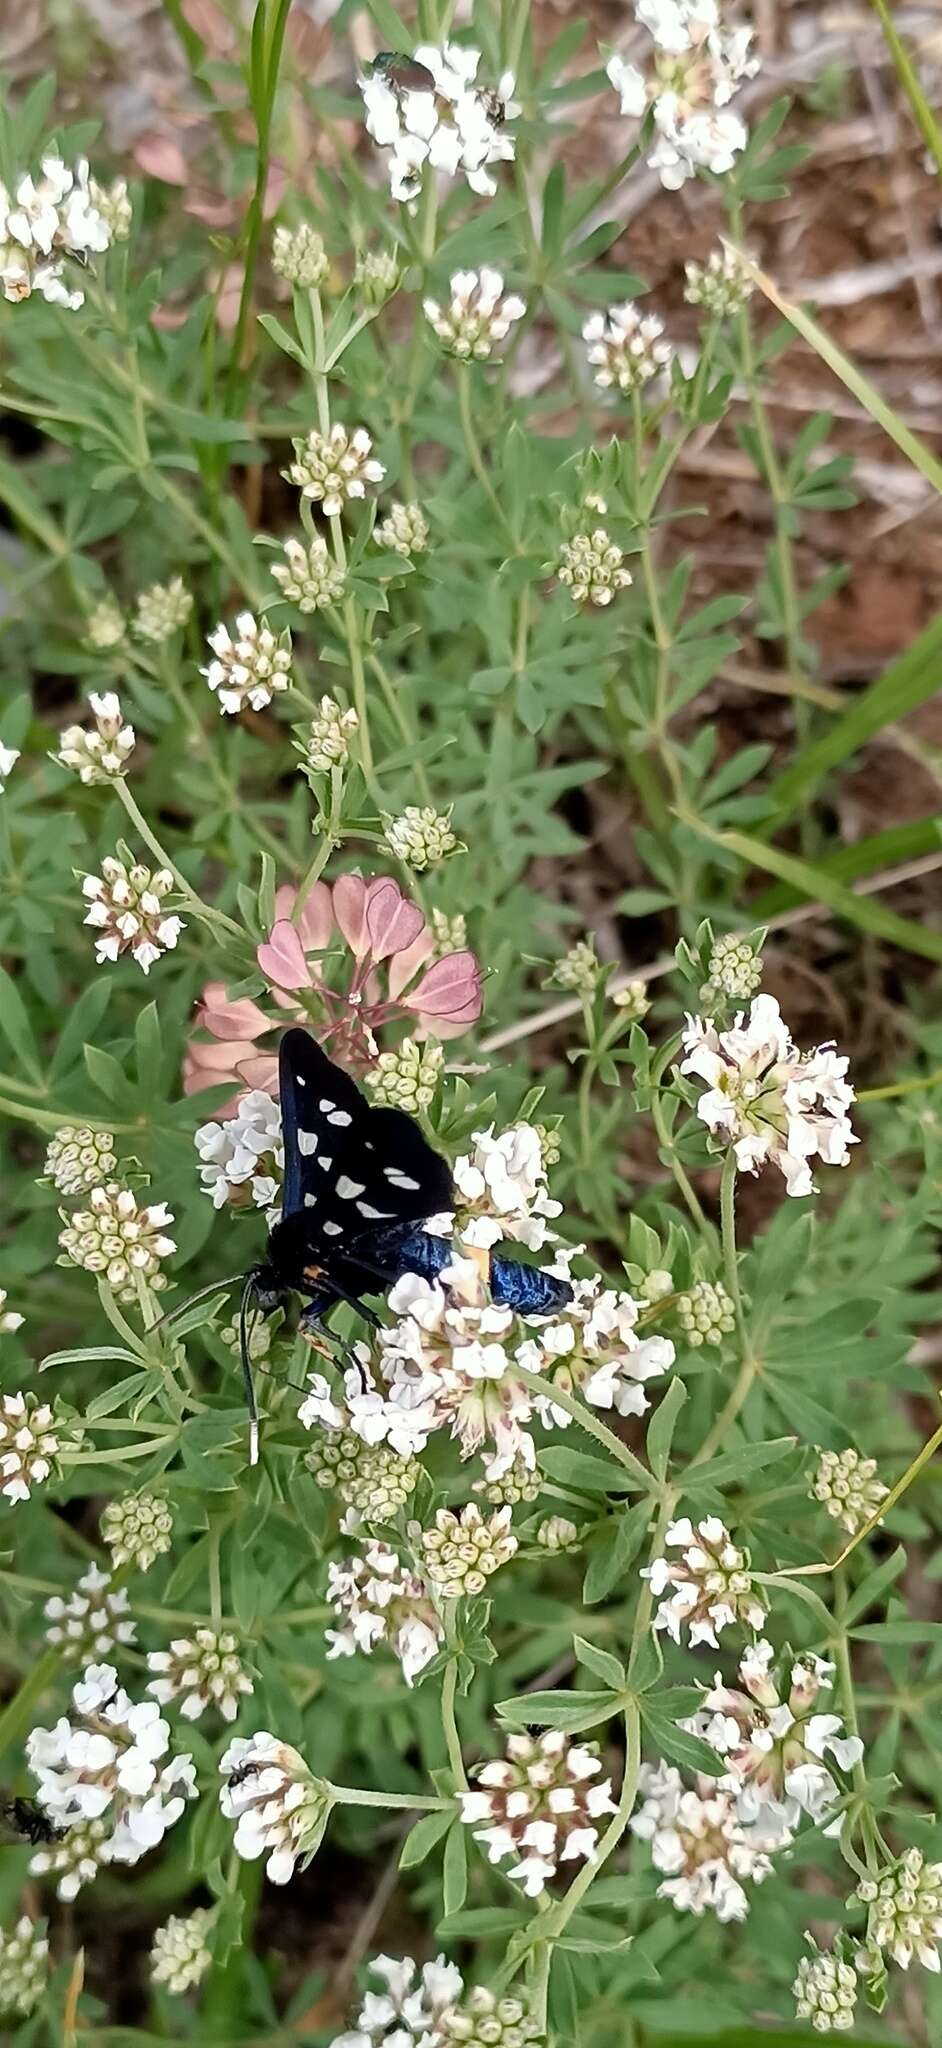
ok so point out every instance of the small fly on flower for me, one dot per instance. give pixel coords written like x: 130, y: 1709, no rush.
x: 28, y: 1820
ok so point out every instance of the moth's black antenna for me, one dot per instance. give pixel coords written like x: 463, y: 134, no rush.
x: 247, y: 1381
x: 218, y: 1287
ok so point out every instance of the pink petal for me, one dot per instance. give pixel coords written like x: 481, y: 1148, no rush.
x: 260, y: 1071
x: 392, y: 921
x: 161, y: 157
x: 450, y: 990
x: 239, y: 1018
x: 281, y: 958
x: 349, y: 902
x: 316, y: 921
x: 404, y: 966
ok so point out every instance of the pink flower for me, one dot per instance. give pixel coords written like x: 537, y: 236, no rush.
x: 347, y: 963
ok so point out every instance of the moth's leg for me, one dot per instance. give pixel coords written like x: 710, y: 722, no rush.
x: 316, y: 1315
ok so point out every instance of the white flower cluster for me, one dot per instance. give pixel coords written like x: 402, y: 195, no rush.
x: 723, y: 285
x: 181, y: 1954
x: 406, y: 2011
x: 309, y: 576
x: 404, y: 530
x: 905, y: 1911
x: 42, y: 223
x: 826, y: 1992
x: 772, y: 1739
x: 93, y: 1621
x: 478, y: 317
x: 105, y: 624
x: 243, y: 1158
x: 463, y: 1550
x: 592, y: 567
x: 446, y: 1365
x: 539, y: 1805
x: 378, y: 1600
x: 329, y: 735
x: 111, y: 1760
x: 735, y: 968
x: 79, y: 1158
x: 593, y: 1349
x: 119, y: 1240
x: 162, y: 609
x: 698, y: 65
x: 501, y: 1190
x: 73, y: 1858
x: 711, y: 1586
x: 126, y: 905
x: 137, y: 1529
x: 298, y: 255
x: 202, y: 1671
x: 370, y: 1478
x: 102, y: 754
x: 31, y: 1439
x: 449, y: 123
x: 278, y: 1807
x: 848, y: 1487
x: 421, y: 837
x: 9, y: 757
x: 706, y: 1853
x: 767, y: 1099
x: 579, y: 969
x: 249, y: 669
x: 24, y: 1965
x: 334, y: 468
x: 625, y: 348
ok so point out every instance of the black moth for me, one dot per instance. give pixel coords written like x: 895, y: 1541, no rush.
x: 359, y: 1184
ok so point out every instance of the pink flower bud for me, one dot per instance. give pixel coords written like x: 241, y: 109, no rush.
x: 450, y: 991
x: 281, y: 957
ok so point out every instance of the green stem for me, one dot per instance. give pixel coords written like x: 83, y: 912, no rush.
x: 412, y: 1802
x: 845, y: 1689
x: 909, y: 80
x: 728, y: 1231
x: 270, y: 46
x: 450, y: 1725
x: 195, y: 903
x: 814, y: 1571
x: 473, y: 447
x: 560, y: 1398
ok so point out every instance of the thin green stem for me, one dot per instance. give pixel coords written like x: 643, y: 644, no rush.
x: 728, y: 1231
x: 205, y: 911
x: 561, y: 1398
x: 845, y: 1688
x: 450, y: 1725
x: 473, y: 446
x: 413, y: 1802
x: 264, y: 91
x: 814, y: 1571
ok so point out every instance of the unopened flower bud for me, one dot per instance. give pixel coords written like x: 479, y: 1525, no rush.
x: 421, y: 837
x: 298, y: 254
x: 137, y: 1529
x: 706, y: 1313
x: 162, y: 610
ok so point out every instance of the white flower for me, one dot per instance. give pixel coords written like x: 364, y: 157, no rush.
x: 905, y: 1916
x: 251, y: 668
x: 734, y: 970
x: 697, y: 68
x: 110, y: 1760
x: 445, y: 1362
x: 125, y: 904
x: 334, y: 468
x: 74, y: 1858
x: 181, y: 1954
x: 205, y: 1668
x: 279, y: 1808
x: 451, y: 124
x: 162, y: 610
x: 104, y: 626
x: 31, y: 1439
x: 44, y: 222
x: 24, y: 1966
x: 378, y: 1600
x: 849, y: 1488
x: 768, y: 1100
x: 421, y: 837
x: 309, y: 575
x: 706, y: 1853
x: 123, y: 1242
x: 592, y: 567
x: 592, y: 1348
x: 114, y: 204
x: 92, y: 1621
x: 298, y: 254
x: 826, y: 1992
x: 625, y: 347
x: 79, y: 1158
x: 772, y: 1739
x: 137, y: 1529
x: 479, y: 316
x: 10, y: 1319
x: 243, y: 1159
x: 328, y: 744
x: 9, y: 757
x: 557, y: 1532
x: 103, y: 754
x: 539, y: 1806
x: 405, y: 2012
x: 711, y: 1584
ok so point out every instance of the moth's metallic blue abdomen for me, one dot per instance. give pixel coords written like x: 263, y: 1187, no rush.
x: 526, y: 1289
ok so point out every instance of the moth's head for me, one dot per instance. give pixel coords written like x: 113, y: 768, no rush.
x: 268, y: 1290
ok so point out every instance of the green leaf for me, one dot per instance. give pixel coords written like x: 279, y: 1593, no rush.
x: 662, y: 1424
x: 614, y: 1547
x: 591, y: 1474
x: 393, y: 31
x: 873, y: 1587
x: 676, y: 1744
x: 903, y: 687
x: 423, y: 1836
x: 600, y: 1662
x: 570, y: 1710
x: 479, y: 1923
x: 815, y: 883
x: 455, y: 1869
x: 737, y: 1465
x: 16, y: 1027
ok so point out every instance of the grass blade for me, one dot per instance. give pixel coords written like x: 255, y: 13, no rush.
x: 815, y: 883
